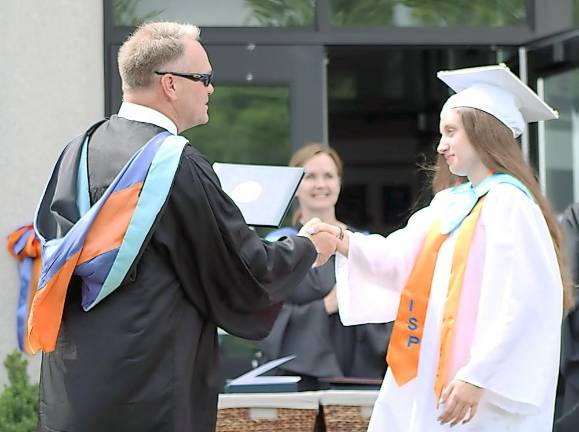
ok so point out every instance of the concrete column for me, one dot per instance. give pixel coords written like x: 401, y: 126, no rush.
x: 52, y: 87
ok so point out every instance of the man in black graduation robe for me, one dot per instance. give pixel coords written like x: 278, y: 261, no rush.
x: 145, y: 358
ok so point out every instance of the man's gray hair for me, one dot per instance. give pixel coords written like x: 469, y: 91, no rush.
x: 152, y: 46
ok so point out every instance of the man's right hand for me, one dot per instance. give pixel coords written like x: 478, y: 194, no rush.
x: 316, y: 228
x: 325, y: 244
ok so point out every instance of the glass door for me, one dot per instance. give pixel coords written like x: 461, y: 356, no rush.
x: 553, y: 70
x: 268, y: 101
x: 559, y: 140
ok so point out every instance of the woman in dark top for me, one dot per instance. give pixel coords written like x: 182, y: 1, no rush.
x: 309, y: 325
x: 567, y: 411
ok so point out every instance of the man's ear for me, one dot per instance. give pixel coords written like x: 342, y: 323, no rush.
x: 168, y: 86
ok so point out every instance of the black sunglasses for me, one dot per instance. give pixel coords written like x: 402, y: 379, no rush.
x: 205, y: 78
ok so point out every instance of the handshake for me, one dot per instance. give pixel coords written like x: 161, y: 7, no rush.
x: 326, y: 238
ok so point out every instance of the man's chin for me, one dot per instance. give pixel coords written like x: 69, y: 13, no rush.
x: 200, y: 122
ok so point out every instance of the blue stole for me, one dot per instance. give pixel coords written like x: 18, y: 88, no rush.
x: 465, y: 197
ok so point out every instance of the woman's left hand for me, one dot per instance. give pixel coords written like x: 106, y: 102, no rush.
x: 460, y: 401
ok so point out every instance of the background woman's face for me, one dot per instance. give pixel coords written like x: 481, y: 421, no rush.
x: 320, y: 186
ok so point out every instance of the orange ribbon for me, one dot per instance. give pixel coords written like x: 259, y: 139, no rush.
x: 406, y: 340
x: 31, y: 249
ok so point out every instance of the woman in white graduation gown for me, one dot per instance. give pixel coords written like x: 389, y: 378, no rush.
x: 475, y: 281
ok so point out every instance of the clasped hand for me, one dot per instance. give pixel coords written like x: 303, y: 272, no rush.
x: 326, y: 238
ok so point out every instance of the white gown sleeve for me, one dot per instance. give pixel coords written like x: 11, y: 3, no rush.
x: 370, y: 280
x: 515, y: 352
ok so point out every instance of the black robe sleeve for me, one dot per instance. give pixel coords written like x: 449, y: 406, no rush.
x: 233, y: 277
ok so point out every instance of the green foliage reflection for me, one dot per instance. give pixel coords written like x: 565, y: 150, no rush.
x: 432, y: 13
x: 470, y: 13
x: 344, y: 13
x: 126, y: 13
x: 281, y: 13
x: 363, y: 13
x: 246, y: 125
x: 436, y: 13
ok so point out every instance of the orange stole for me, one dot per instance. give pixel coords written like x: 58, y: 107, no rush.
x: 106, y: 233
x: 405, y: 342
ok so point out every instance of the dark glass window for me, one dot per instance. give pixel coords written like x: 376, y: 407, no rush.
x: 558, y: 142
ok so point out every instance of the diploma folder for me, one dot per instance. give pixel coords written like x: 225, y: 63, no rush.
x: 263, y: 193
x: 253, y: 382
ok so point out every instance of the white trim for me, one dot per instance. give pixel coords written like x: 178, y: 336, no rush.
x: 297, y: 400
x: 144, y: 114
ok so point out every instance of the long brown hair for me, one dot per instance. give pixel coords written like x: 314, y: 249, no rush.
x: 500, y: 152
x: 303, y: 155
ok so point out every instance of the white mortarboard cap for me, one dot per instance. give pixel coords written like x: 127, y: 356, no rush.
x: 499, y: 92
x: 263, y: 193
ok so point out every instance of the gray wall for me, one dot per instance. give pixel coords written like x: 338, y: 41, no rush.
x: 51, y: 87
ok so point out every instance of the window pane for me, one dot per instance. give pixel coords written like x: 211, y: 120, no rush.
x: 561, y: 151
x: 428, y: 13
x: 246, y: 125
x: 217, y: 13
